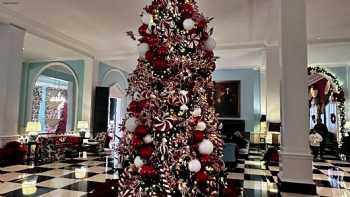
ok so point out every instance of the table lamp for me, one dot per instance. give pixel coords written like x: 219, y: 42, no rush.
x: 347, y: 127
x: 33, y: 128
x: 83, y: 127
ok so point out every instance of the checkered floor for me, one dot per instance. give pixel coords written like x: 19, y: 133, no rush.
x: 253, y: 178
x: 57, y: 179
x: 250, y: 178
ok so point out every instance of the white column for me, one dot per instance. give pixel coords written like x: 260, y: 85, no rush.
x: 263, y: 91
x: 296, y: 167
x: 90, y: 83
x: 273, y: 80
x: 11, y: 54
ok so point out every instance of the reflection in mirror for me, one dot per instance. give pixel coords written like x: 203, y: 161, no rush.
x: 53, y: 100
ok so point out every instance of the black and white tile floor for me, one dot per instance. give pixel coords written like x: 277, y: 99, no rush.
x: 251, y: 178
x: 57, y: 179
x: 332, y: 177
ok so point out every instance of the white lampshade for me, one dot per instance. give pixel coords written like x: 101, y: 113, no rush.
x: 83, y: 124
x: 347, y: 125
x: 33, y: 127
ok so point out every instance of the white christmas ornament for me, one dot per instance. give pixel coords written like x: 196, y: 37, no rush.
x: 138, y: 162
x: 188, y: 24
x: 194, y: 165
x: 183, y: 108
x: 146, y: 18
x: 142, y: 49
x: 197, y: 112
x: 131, y: 124
x: 205, y: 147
x: 201, y: 126
x: 210, y: 44
x: 148, y: 139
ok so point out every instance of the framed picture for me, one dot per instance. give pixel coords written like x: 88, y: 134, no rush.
x: 227, y: 98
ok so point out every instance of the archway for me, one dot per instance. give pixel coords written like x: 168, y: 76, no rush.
x: 117, y: 83
x: 326, y: 102
x: 53, y: 98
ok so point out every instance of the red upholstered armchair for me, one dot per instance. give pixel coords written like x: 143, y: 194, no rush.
x: 12, y: 153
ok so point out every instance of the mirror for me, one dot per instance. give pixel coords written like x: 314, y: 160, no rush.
x: 54, y: 99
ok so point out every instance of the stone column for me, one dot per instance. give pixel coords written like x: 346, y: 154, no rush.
x: 11, y: 55
x: 273, y: 80
x: 90, y: 83
x: 296, y: 161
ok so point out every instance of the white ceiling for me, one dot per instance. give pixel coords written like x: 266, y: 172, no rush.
x: 97, y: 28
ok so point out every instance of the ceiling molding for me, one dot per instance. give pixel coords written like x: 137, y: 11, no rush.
x: 45, y: 32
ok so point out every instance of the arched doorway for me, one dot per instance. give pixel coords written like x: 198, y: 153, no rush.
x: 53, y: 98
x: 117, y: 83
x: 326, y: 104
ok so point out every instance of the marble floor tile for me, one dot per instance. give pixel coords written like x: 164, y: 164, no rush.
x: 12, y: 176
x: 15, y: 168
x: 55, y: 173
x: 57, y: 182
x: 63, y: 193
x: 8, y: 187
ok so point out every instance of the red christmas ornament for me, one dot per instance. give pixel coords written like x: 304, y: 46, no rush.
x: 136, y: 142
x: 201, y: 177
x: 141, y: 131
x: 162, y: 51
x: 147, y: 170
x: 205, y: 159
x: 187, y: 10
x: 149, y: 56
x: 146, y: 152
x: 160, y: 64
x: 198, y: 136
x: 152, y: 40
x: 133, y: 107
x: 143, y: 30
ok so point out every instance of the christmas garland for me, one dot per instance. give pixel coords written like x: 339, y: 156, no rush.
x: 339, y: 96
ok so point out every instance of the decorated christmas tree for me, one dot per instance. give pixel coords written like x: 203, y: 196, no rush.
x: 171, y: 143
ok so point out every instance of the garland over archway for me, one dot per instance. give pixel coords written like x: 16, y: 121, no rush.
x: 340, y: 98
